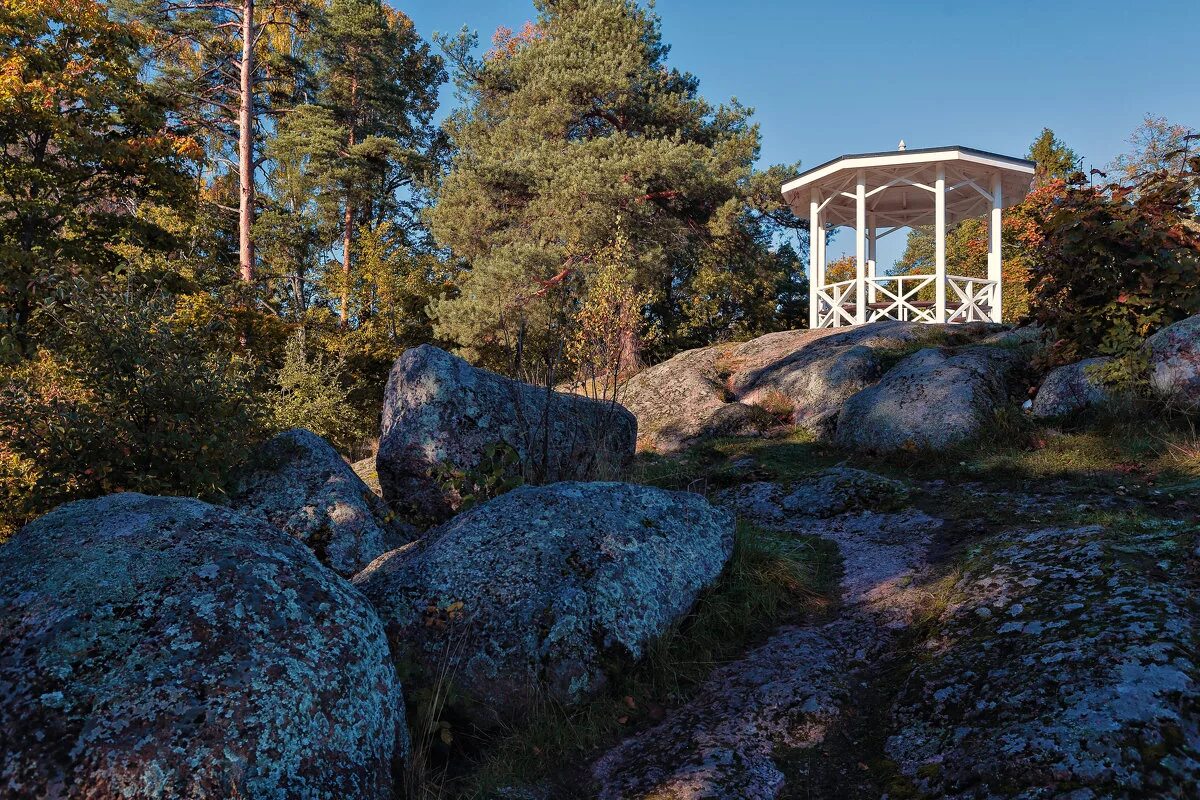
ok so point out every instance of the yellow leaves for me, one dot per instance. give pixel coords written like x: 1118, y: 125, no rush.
x: 188, y: 147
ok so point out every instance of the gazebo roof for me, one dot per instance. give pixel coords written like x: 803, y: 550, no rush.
x: 900, y: 184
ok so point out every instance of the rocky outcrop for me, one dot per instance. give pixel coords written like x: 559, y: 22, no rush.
x: 299, y: 483
x: 159, y: 647
x: 440, y: 413
x: 838, y: 490
x: 1070, y: 389
x: 807, y: 374
x: 1175, y: 361
x: 1066, y: 666
x: 528, y: 595
x: 788, y: 694
x: 932, y: 400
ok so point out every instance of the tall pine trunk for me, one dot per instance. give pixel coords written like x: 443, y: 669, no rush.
x: 348, y: 221
x: 246, y: 146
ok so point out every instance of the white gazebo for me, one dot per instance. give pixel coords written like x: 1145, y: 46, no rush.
x: 879, y: 193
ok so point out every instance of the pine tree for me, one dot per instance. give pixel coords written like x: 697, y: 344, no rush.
x: 1055, y: 161
x: 575, y: 122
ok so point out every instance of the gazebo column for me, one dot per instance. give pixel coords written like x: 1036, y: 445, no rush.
x: 860, y: 251
x: 995, y: 272
x: 815, y: 280
x: 872, y: 256
x: 939, y: 244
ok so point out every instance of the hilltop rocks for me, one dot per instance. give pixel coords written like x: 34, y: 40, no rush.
x: 300, y: 484
x: 1071, y: 388
x: 838, y: 490
x: 1066, y: 666
x: 932, y: 400
x: 527, y: 595
x: 1175, y: 361
x: 804, y: 375
x: 440, y: 412
x: 159, y: 647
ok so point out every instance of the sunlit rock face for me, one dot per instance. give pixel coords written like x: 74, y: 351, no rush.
x: 932, y: 400
x: 532, y: 594
x: 1072, y: 388
x: 1066, y: 666
x: 442, y: 415
x: 155, y: 647
x: 1175, y: 361
x: 299, y: 483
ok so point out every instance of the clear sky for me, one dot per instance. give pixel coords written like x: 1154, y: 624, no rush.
x: 843, y: 76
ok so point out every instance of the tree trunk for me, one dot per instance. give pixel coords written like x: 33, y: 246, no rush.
x: 348, y: 221
x: 246, y: 146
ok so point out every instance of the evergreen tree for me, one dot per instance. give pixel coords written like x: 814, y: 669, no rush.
x: 572, y: 127
x: 83, y: 145
x: 1055, y: 161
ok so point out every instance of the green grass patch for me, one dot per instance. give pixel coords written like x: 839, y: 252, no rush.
x: 771, y: 579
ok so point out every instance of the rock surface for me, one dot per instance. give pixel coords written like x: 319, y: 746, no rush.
x: 1066, y: 667
x: 299, y: 483
x: 159, y: 647
x: 787, y: 694
x: 1071, y: 388
x: 440, y: 412
x: 810, y: 372
x: 1175, y: 361
x: 533, y: 591
x: 932, y: 400
x: 830, y: 492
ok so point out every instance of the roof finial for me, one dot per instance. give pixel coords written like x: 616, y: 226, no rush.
x: 902, y: 145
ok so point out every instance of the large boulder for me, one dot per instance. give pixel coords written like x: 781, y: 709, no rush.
x: 155, y: 647
x: 1175, y: 361
x: 299, y: 483
x: 803, y: 375
x: 838, y: 490
x: 440, y: 413
x: 1071, y: 388
x: 1065, y: 666
x: 529, y: 595
x: 932, y: 400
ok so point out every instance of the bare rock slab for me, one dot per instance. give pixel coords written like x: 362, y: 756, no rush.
x: 838, y: 490
x: 932, y: 400
x: 440, y: 412
x: 527, y: 595
x: 1065, y: 667
x: 155, y: 647
x: 1070, y: 389
x: 1175, y: 361
x: 299, y: 483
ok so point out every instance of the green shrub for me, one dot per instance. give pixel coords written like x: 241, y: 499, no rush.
x: 118, y: 398
x: 1114, y: 264
x: 309, y: 394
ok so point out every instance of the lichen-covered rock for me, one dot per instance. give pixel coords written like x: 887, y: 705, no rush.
x: 675, y: 401
x: 812, y: 372
x: 818, y: 375
x: 299, y: 483
x: 932, y: 400
x: 155, y: 647
x: 1071, y: 388
x: 1175, y: 361
x: 439, y: 411
x: 1066, y: 666
x: 529, y: 594
x: 837, y: 490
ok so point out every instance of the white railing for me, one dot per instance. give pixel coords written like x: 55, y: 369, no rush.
x: 897, y: 297
x: 975, y: 298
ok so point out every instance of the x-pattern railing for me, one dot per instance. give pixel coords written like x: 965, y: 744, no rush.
x: 833, y: 299
x: 903, y: 299
x: 974, y: 296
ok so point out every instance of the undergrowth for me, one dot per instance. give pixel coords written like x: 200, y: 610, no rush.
x: 770, y: 579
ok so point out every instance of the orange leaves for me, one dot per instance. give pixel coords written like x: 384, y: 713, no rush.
x: 506, y: 44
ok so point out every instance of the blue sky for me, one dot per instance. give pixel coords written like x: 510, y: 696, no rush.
x: 843, y: 76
